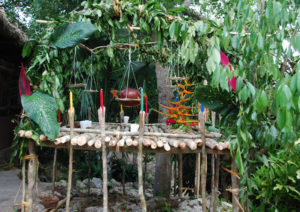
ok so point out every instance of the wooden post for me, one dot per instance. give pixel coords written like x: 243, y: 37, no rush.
x: 123, y: 173
x: 71, y: 122
x: 23, y: 184
x: 216, y: 187
x: 54, y: 171
x: 180, y: 174
x: 175, y: 176
x: 212, y: 181
x: 31, y: 176
x: 198, y: 166
x: 101, y: 117
x: 89, y: 172
x: 140, y: 161
x: 235, y: 186
x: 204, y: 163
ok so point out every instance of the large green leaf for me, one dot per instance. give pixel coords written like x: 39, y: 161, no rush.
x: 42, y: 109
x: 216, y: 100
x: 68, y: 35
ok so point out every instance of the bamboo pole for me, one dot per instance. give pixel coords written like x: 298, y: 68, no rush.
x: 32, y: 175
x: 204, y: 163
x: 235, y: 186
x: 71, y: 121
x: 101, y: 117
x: 140, y: 161
x: 198, y: 166
x: 180, y: 174
x: 216, y: 188
x: 54, y: 171
x: 23, y: 184
x: 212, y: 201
x: 150, y: 134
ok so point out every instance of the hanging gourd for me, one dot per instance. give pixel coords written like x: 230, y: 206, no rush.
x: 128, y: 97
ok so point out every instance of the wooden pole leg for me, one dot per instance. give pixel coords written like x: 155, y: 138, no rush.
x: 180, y: 174
x: 235, y: 186
x: 31, y: 176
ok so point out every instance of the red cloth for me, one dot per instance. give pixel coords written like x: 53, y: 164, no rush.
x: 24, y: 84
x: 225, y: 61
x: 170, y: 121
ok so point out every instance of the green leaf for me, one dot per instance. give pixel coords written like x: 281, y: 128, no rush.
x: 68, y: 35
x: 216, y: 100
x: 235, y: 41
x: 26, y: 49
x: 42, y: 109
x: 296, y: 42
x: 281, y: 118
x: 260, y: 42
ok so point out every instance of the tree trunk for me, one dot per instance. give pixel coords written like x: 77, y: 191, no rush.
x: 163, y: 167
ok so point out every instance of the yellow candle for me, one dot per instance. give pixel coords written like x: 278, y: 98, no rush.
x: 121, y: 108
x: 71, y: 103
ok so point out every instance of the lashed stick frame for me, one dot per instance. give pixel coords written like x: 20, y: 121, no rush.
x: 157, y: 138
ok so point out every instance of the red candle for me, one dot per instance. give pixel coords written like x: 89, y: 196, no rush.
x: 58, y: 115
x: 101, y: 101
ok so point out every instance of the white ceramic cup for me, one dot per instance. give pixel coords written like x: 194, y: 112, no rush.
x: 126, y: 119
x: 134, y: 127
x: 85, y: 124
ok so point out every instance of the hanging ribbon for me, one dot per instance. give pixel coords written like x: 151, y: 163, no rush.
x: 24, y: 84
x: 142, y: 99
x: 225, y: 61
x: 146, y: 103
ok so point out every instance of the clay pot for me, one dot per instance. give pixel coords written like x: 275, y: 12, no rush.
x: 127, y: 94
x: 50, y: 202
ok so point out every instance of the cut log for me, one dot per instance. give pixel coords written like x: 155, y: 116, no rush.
x: 128, y: 141
x: 74, y: 140
x: 135, y: 142
x: 167, y: 147
x: 191, y: 144
x: 43, y: 138
x: 211, y: 143
x: 98, y: 143
x: 153, y: 144
x: 21, y: 133
x: 147, y: 142
x: 28, y: 134
x: 62, y: 140
x: 182, y: 145
x: 107, y: 139
x: 173, y: 143
x: 159, y: 143
x: 84, y: 138
x: 92, y: 141
x: 121, y: 142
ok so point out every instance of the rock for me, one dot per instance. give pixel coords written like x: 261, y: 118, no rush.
x: 93, y: 209
x: 80, y: 184
x: 96, y: 191
x: 62, y: 183
x: 48, y: 193
x: 96, y: 182
x: 38, y: 207
x: 115, y: 183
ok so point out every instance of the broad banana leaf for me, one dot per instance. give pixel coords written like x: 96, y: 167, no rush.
x: 42, y: 109
x: 69, y: 35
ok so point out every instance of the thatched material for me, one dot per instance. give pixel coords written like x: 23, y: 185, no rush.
x: 11, y: 31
